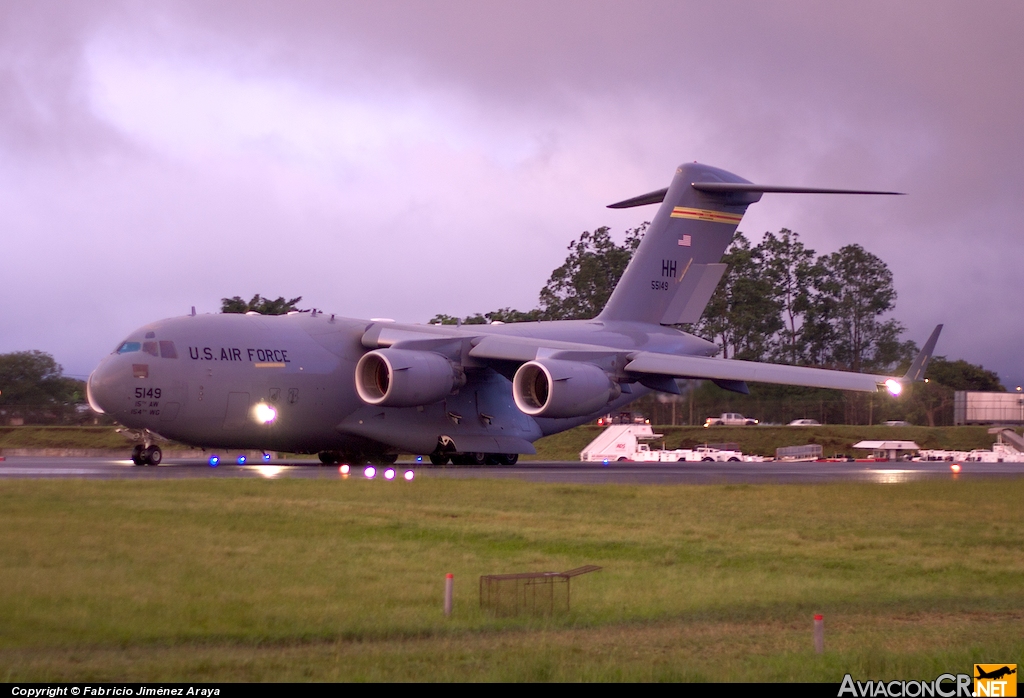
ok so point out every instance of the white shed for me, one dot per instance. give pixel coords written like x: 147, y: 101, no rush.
x: 890, y: 450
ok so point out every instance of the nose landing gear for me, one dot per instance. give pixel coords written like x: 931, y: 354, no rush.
x: 147, y: 455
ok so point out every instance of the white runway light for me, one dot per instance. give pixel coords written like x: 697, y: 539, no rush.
x: 370, y: 472
x: 409, y: 475
x: 389, y: 474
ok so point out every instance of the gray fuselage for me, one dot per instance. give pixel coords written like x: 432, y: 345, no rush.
x: 199, y: 379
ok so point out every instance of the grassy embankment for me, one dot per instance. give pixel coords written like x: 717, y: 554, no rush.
x: 567, y: 445
x: 211, y: 580
x: 764, y: 440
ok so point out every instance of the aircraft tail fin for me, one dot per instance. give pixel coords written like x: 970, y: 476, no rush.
x: 677, y: 266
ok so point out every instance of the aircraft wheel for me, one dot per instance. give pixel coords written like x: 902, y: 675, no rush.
x: 475, y: 458
x: 508, y: 458
x: 440, y: 458
x: 138, y: 457
x: 328, y: 458
x: 153, y: 455
x: 388, y: 458
x: 492, y: 459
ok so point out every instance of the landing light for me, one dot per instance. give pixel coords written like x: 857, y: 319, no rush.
x: 264, y: 413
x: 893, y: 386
x: 409, y: 475
x: 389, y: 474
x: 370, y: 472
x: 214, y: 461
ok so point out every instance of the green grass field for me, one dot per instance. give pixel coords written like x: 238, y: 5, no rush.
x: 208, y: 580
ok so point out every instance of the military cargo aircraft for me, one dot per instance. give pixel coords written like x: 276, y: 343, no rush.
x: 366, y: 390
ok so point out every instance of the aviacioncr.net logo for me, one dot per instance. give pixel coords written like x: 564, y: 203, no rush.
x: 995, y: 680
x: 945, y: 686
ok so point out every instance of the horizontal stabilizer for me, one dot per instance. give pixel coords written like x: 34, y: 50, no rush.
x: 730, y: 187
x: 726, y: 188
x: 655, y: 197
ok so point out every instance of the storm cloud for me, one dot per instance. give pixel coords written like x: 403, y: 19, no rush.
x: 401, y: 159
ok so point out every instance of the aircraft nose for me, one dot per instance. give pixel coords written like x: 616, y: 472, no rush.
x: 101, y: 389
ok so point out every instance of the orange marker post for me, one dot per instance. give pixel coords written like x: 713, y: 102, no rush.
x: 449, y: 580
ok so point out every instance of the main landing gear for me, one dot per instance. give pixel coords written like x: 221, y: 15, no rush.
x: 476, y: 459
x: 147, y: 455
x: 334, y: 457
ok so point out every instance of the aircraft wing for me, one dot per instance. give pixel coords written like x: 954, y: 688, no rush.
x: 649, y: 368
x: 652, y: 367
x: 751, y: 371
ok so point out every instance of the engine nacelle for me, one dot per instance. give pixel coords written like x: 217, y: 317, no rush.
x: 557, y: 388
x: 406, y: 378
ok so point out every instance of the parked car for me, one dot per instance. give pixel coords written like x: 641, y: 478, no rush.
x: 805, y: 423
x: 729, y: 419
x: 897, y: 423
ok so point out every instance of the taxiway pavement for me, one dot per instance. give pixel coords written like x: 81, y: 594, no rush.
x: 535, y: 471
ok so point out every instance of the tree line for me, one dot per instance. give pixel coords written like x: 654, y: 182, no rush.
x: 779, y: 301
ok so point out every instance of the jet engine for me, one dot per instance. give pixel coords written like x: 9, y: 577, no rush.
x: 406, y: 378
x: 557, y: 388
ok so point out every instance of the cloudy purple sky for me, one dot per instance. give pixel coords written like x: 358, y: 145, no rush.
x: 400, y: 159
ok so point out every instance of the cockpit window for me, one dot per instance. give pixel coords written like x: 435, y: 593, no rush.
x: 167, y: 350
x: 129, y: 347
x: 150, y: 348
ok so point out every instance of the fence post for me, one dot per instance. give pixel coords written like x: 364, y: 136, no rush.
x: 819, y: 633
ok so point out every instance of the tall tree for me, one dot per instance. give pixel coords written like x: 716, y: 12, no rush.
x: 35, y: 379
x: 788, y: 266
x: 744, y: 312
x: 579, y: 289
x: 934, y: 400
x: 852, y: 289
x: 259, y: 304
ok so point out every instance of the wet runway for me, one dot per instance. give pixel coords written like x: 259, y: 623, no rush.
x: 535, y: 471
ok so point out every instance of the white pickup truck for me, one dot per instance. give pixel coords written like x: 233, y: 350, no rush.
x: 729, y: 419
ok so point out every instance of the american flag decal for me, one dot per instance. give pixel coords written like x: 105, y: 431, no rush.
x: 685, y: 241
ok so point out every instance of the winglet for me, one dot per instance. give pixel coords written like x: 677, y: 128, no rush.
x: 917, y: 369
